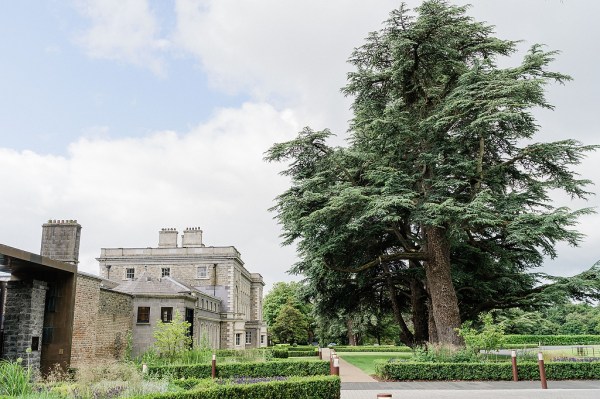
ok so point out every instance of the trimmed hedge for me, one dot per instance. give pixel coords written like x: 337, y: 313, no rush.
x: 553, y: 339
x: 250, y: 369
x: 280, y: 353
x: 321, y: 387
x: 485, y: 371
x: 372, y: 349
x: 302, y: 353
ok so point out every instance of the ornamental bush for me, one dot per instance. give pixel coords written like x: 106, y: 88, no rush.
x: 250, y: 369
x: 484, y: 371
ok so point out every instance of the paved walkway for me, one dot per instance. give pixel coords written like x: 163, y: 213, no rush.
x: 358, y: 385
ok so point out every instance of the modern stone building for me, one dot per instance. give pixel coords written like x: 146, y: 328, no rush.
x: 208, y: 286
x: 62, y: 316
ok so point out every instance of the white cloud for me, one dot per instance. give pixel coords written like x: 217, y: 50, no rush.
x: 286, y: 50
x: 124, y: 30
x: 123, y: 191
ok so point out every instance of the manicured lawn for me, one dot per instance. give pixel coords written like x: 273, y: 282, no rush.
x: 366, y: 360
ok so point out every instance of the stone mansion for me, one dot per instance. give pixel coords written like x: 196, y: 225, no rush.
x: 208, y: 286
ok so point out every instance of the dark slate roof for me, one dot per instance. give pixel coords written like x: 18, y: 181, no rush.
x: 145, y: 284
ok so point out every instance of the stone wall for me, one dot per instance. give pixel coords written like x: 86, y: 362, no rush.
x: 24, y: 320
x: 102, y: 323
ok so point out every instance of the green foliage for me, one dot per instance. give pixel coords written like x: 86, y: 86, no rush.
x: 552, y: 340
x: 254, y: 369
x: 172, y: 339
x: 290, y: 325
x: 15, y: 380
x: 281, y: 294
x: 321, y: 387
x: 490, y: 338
x: 561, y: 319
x: 484, y: 371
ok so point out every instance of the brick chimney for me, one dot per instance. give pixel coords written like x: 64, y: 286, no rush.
x: 60, y: 240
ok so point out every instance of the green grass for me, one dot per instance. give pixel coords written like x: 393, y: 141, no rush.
x: 366, y: 360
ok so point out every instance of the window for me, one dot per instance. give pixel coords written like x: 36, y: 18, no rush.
x: 262, y: 339
x: 130, y: 272
x: 238, y: 338
x: 166, y: 314
x: 248, y: 337
x: 143, y: 315
x: 165, y: 272
x: 202, y: 271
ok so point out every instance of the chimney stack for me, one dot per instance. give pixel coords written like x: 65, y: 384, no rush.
x: 60, y: 240
x: 192, y: 237
x: 167, y: 238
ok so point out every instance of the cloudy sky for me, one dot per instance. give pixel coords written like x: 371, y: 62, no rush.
x: 133, y: 115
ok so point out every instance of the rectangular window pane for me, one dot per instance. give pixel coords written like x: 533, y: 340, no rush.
x: 143, y: 315
x: 165, y: 272
x: 262, y: 339
x: 166, y: 314
x: 202, y: 271
x: 238, y: 338
x: 130, y: 272
x: 248, y: 337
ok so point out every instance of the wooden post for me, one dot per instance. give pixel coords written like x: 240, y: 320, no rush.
x: 336, y: 366
x: 320, y: 353
x: 542, y: 371
x: 214, y: 366
x: 513, y: 357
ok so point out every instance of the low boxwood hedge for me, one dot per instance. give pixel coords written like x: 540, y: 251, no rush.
x: 250, y: 369
x: 303, y: 353
x: 372, y: 349
x: 484, y: 371
x: 320, y: 387
x: 553, y: 339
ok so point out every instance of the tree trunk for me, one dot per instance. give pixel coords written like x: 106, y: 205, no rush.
x: 431, y: 329
x: 406, y: 337
x: 418, y: 298
x: 351, y: 336
x: 444, y: 302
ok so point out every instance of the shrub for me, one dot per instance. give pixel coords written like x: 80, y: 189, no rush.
x: 251, y: 369
x: 321, y: 387
x: 172, y: 339
x: 484, y: 371
x: 491, y: 336
x: 553, y: 339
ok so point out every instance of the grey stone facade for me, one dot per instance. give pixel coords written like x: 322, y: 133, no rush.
x: 225, y: 297
x: 24, y: 321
